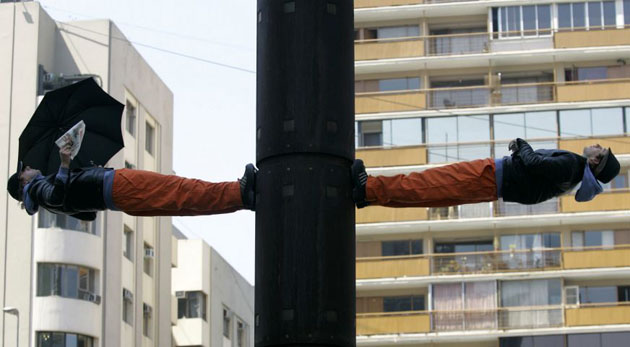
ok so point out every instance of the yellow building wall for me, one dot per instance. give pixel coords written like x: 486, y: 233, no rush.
x: 379, y: 214
x: 384, y: 268
x: 598, y: 315
x: 573, y: 39
x: 400, y: 156
x: 619, y: 145
x: 593, y: 91
x: 395, y: 324
x: 390, y: 102
x: 387, y: 50
x: 589, y: 259
x: 602, y: 202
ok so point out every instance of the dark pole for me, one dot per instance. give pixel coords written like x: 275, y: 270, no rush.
x: 305, y: 270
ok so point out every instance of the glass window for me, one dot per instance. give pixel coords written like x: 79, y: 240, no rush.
x: 531, y: 293
x: 149, y: 145
x: 371, y: 133
x: 544, y: 18
x: 192, y: 306
x: 130, y: 124
x: 549, y: 341
x: 575, y: 123
x: 147, y: 320
x: 406, y: 132
x: 627, y: 121
x: 607, y: 121
x: 241, y: 333
x: 128, y: 243
x: 626, y: 12
x: 594, y: 14
x: 398, y: 31
x: 517, y: 341
x: 127, y: 306
x: 46, y: 219
x: 227, y: 323
x: 591, y: 295
x: 148, y: 260
x: 444, y: 130
x: 623, y: 293
x: 405, y: 83
x: 404, y: 247
x: 609, y: 13
x: 59, y: 339
x: 529, y: 20
x: 579, y: 15
x: 403, y: 303
x: 615, y: 339
x: 564, y: 15
x: 584, y: 340
x: 69, y: 281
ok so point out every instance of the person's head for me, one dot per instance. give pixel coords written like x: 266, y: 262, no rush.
x: 603, y: 162
x: 19, y: 180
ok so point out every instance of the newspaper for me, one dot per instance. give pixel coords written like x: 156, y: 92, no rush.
x: 74, y: 137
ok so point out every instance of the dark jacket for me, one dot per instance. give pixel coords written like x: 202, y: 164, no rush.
x: 531, y: 177
x: 80, y: 196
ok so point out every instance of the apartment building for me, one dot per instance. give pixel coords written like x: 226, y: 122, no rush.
x: 71, y: 283
x: 441, y: 81
x: 215, y: 304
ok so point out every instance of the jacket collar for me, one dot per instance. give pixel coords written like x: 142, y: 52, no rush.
x: 590, y: 186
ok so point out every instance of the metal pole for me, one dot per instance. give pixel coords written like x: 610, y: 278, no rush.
x: 305, y: 241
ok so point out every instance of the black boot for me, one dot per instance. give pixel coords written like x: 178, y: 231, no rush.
x: 248, y: 187
x: 359, y: 180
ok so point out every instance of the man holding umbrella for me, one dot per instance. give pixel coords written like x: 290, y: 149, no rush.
x: 80, y: 193
x: 47, y: 177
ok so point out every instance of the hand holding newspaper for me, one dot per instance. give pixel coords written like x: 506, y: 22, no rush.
x: 74, y: 137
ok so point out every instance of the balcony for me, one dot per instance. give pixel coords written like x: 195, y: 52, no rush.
x: 615, y: 200
x: 379, y: 214
x: 399, y: 156
x: 380, y: 102
x: 619, y: 145
x: 385, y: 267
x: 596, y: 257
x: 405, y: 47
x: 598, y: 314
x: 592, y: 38
x: 595, y: 90
x: 383, y: 3
x: 393, y: 323
x: 497, y: 261
x: 504, y: 318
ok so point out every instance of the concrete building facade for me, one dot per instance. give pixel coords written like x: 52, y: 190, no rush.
x: 215, y: 304
x: 453, y: 80
x: 105, y: 283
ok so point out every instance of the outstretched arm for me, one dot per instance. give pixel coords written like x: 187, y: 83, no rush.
x: 54, y: 194
x: 537, y: 163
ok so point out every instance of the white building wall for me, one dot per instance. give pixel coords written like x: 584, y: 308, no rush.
x: 83, y: 47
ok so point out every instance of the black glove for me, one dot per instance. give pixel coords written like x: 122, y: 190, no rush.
x: 513, y: 146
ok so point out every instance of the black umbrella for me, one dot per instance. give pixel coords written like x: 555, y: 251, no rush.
x: 59, y: 111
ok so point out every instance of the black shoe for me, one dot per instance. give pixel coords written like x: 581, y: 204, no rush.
x: 248, y: 187
x: 359, y: 180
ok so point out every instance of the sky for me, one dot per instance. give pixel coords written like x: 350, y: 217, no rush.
x: 205, y: 52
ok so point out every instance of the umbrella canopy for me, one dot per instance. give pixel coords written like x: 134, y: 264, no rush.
x: 59, y: 111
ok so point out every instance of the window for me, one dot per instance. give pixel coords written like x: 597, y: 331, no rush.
x: 623, y: 293
x: 130, y: 123
x: 460, y: 97
x: 598, y: 238
x: 227, y: 323
x: 390, y: 32
x: 578, y: 16
x: 68, y: 281
x: 528, y: 125
x: 531, y: 293
x: 591, y: 122
x: 405, y: 247
x: 128, y: 243
x: 471, y: 305
x: 149, y: 144
x: 626, y: 12
x: 403, y: 303
x: 241, y: 334
x: 127, y: 306
x: 147, y: 320
x: 192, y: 305
x: 464, y: 247
x: 591, y: 295
x: 59, y: 339
x: 370, y: 133
x: 46, y: 219
x: 533, y: 341
x: 444, y: 130
x: 405, y: 83
x: 149, y: 254
x: 536, y: 20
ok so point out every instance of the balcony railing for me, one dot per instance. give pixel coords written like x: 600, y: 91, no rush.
x: 598, y: 314
x: 384, y: 3
x: 539, y: 259
x: 504, y: 318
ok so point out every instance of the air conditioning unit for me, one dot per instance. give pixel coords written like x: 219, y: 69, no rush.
x: 127, y: 294
x: 149, y: 253
x: 180, y: 294
x: 94, y: 298
x: 147, y: 310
